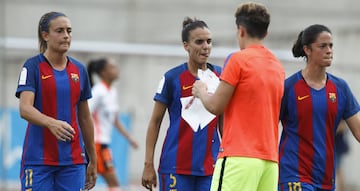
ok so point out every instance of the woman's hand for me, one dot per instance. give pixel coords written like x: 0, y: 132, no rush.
x: 61, y: 130
x: 91, y: 176
x: 199, y: 88
x: 149, y: 177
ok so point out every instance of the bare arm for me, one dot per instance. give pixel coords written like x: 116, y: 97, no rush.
x: 217, y: 102
x: 341, y: 127
x: 87, y: 129
x: 120, y: 127
x: 60, y: 129
x: 149, y: 175
x: 353, y: 123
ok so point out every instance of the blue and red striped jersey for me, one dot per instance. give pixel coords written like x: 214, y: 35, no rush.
x: 57, y: 94
x: 310, y: 118
x: 186, y: 149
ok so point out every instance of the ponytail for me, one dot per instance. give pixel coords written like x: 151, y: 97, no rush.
x: 95, y: 66
x: 298, y: 47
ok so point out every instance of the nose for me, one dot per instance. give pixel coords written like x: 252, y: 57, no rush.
x: 206, y: 45
x: 329, y: 49
x: 66, y: 34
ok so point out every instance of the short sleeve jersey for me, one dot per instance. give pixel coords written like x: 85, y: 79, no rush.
x: 189, y: 150
x: 57, y: 94
x: 251, y: 117
x: 104, y: 108
x: 310, y: 118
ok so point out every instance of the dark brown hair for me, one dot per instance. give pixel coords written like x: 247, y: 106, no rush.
x: 189, y: 25
x: 306, y: 38
x: 96, y: 66
x: 254, y: 17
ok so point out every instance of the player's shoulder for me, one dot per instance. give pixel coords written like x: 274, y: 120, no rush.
x: 335, y: 79
x: 176, y: 71
x: 76, y: 62
x: 34, y: 60
x: 100, y: 88
x: 179, y: 68
x: 235, y: 57
x: 292, y: 79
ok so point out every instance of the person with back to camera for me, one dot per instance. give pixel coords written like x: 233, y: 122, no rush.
x: 53, y: 90
x: 105, y: 111
x: 249, y: 94
x: 192, y: 140
x: 313, y: 105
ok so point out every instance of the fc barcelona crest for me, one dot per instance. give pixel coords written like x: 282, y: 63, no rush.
x: 332, y: 97
x: 74, y: 77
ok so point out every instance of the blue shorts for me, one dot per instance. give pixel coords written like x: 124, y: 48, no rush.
x: 176, y: 182
x: 44, y: 177
x: 299, y: 186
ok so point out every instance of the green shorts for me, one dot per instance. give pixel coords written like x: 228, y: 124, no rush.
x: 245, y: 174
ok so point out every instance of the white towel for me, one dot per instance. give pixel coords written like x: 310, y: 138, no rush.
x: 193, y: 111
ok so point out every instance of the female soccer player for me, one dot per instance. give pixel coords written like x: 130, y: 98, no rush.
x: 249, y: 94
x: 192, y: 141
x: 53, y: 89
x: 105, y: 111
x: 313, y: 105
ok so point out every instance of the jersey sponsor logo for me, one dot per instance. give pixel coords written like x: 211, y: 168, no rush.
x: 302, y: 97
x: 187, y: 87
x: 44, y: 77
x: 74, y: 77
x: 332, y: 97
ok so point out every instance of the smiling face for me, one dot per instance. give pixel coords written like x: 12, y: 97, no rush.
x: 199, y: 46
x: 321, y: 51
x: 59, y: 36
